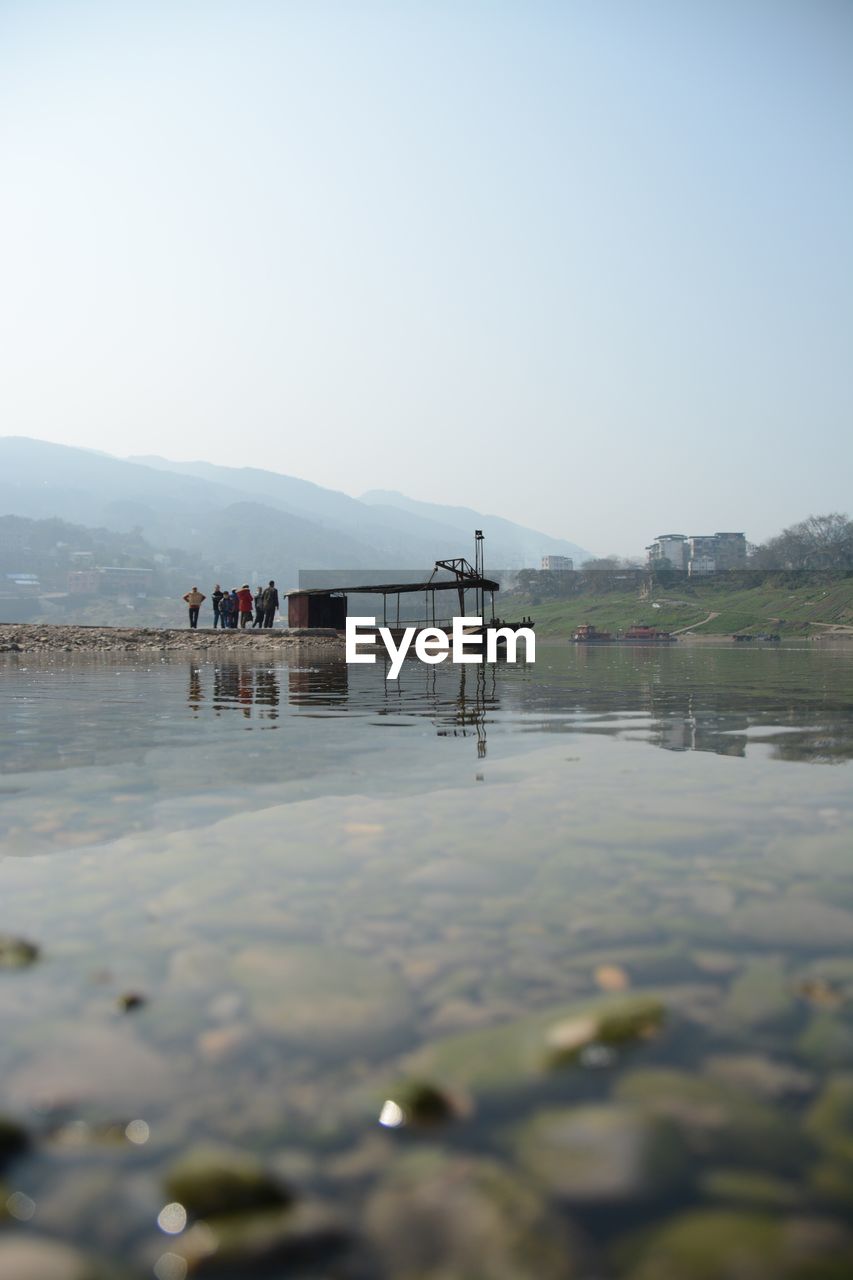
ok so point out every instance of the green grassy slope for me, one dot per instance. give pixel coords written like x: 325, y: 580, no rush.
x: 766, y: 607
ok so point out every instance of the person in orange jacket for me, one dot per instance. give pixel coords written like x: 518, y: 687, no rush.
x: 195, y: 600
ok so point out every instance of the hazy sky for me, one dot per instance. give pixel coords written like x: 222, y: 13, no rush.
x: 588, y: 265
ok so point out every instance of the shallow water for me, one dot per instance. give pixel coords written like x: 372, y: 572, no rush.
x: 327, y: 886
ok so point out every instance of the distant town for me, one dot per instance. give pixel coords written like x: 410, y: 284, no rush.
x: 697, y: 554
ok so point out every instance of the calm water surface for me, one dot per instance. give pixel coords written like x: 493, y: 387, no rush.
x: 585, y: 928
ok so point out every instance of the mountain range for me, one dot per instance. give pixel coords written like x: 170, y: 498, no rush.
x: 246, y: 518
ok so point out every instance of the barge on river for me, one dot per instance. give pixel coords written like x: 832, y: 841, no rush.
x: 640, y: 633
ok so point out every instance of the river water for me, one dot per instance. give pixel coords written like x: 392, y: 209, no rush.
x: 503, y: 972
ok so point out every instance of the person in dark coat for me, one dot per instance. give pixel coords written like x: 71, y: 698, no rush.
x: 233, y: 608
x: 270, y: 604
x: 216, y: 598
x: 259, y: 608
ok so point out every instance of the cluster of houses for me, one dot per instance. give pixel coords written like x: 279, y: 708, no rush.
x: 699, y: 554
x: 702, y: 553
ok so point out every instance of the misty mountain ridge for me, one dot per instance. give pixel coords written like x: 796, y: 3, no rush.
x: 249, y: 518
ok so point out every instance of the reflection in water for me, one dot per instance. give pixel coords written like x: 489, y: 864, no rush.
x: 325, y: 685
x: 242, y: 686
x: 194, y: 694
x: 681, y: 703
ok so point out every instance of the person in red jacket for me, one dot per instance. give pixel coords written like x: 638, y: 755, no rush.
x: 246, y: 604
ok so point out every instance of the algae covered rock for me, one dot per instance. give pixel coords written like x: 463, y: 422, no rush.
x: 629, y: 1021
x: 730, y: 1245
x: 211, y: 1182
x: 13, y: 1139
x: 759, y: 995
x: 306, y: 1234
x: 17, y: 953
x: 420, y: 1105
x: 830, y: 1123
x: 602, y: 1153
x: 830, y: 1119
x: 453, y: 1217
x: 827, y: 1041
x: 501, y: 1057
x: 748, y: 1189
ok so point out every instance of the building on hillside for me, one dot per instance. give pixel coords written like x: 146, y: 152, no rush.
x: 116, y: 580
x: 701, y: 553
x: 698, y: 554
x: 730, y: 552
x: 668, y: 551
x: 27, y: 582
x: 716, y: 552
x: 701, y: 564
x: 83, y: 582
x: 111, y: 580
x: 558, y: 564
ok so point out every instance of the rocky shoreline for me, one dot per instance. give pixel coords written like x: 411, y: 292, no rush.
x: 48, y: 638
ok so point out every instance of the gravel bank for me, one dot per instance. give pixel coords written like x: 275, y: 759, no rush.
x: 19, y: 637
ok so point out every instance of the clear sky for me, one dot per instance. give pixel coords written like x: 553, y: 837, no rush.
x: 585, y: 264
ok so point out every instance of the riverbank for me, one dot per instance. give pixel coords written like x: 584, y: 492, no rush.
x: 22, y: 637
x: 816, y: 605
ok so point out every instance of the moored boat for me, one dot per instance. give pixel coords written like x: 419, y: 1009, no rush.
x: 589, y: 634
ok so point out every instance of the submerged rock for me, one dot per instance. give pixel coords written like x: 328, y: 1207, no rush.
x: 129, y: 1001
x: 624, y: 1023
x: 748, y: 1189
x: 820, y: 992
x: 420, y: 1105
x: 213, y: 1182
x: 327, y: 997
x: 306, y: 1234
x: 827, y: 1041
x: 501, y: 1057
x: 730, y: 1245
x: 13, y: 1139
x: 602, y: 1153
x: 764, y: 1077
x: 758, y: 995
x: 77, y: 1063
x: 452, y: 1217
x: 612, y: 977
x: 718, y: 1121
x: 16, y: 953
x: 24, y: 1257
x: 795, y: 922
x: 830, y: 1123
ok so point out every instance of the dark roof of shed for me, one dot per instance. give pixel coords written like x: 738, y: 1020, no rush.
x: 399, y: 588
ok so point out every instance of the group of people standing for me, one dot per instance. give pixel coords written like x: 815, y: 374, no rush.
x: 239, y: 607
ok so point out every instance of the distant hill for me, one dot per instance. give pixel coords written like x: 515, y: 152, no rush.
x: 510, y: 545
x: 244, y: 519
x: 409, y: 531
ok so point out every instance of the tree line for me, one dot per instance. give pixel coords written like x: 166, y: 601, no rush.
x: 819, y: 542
